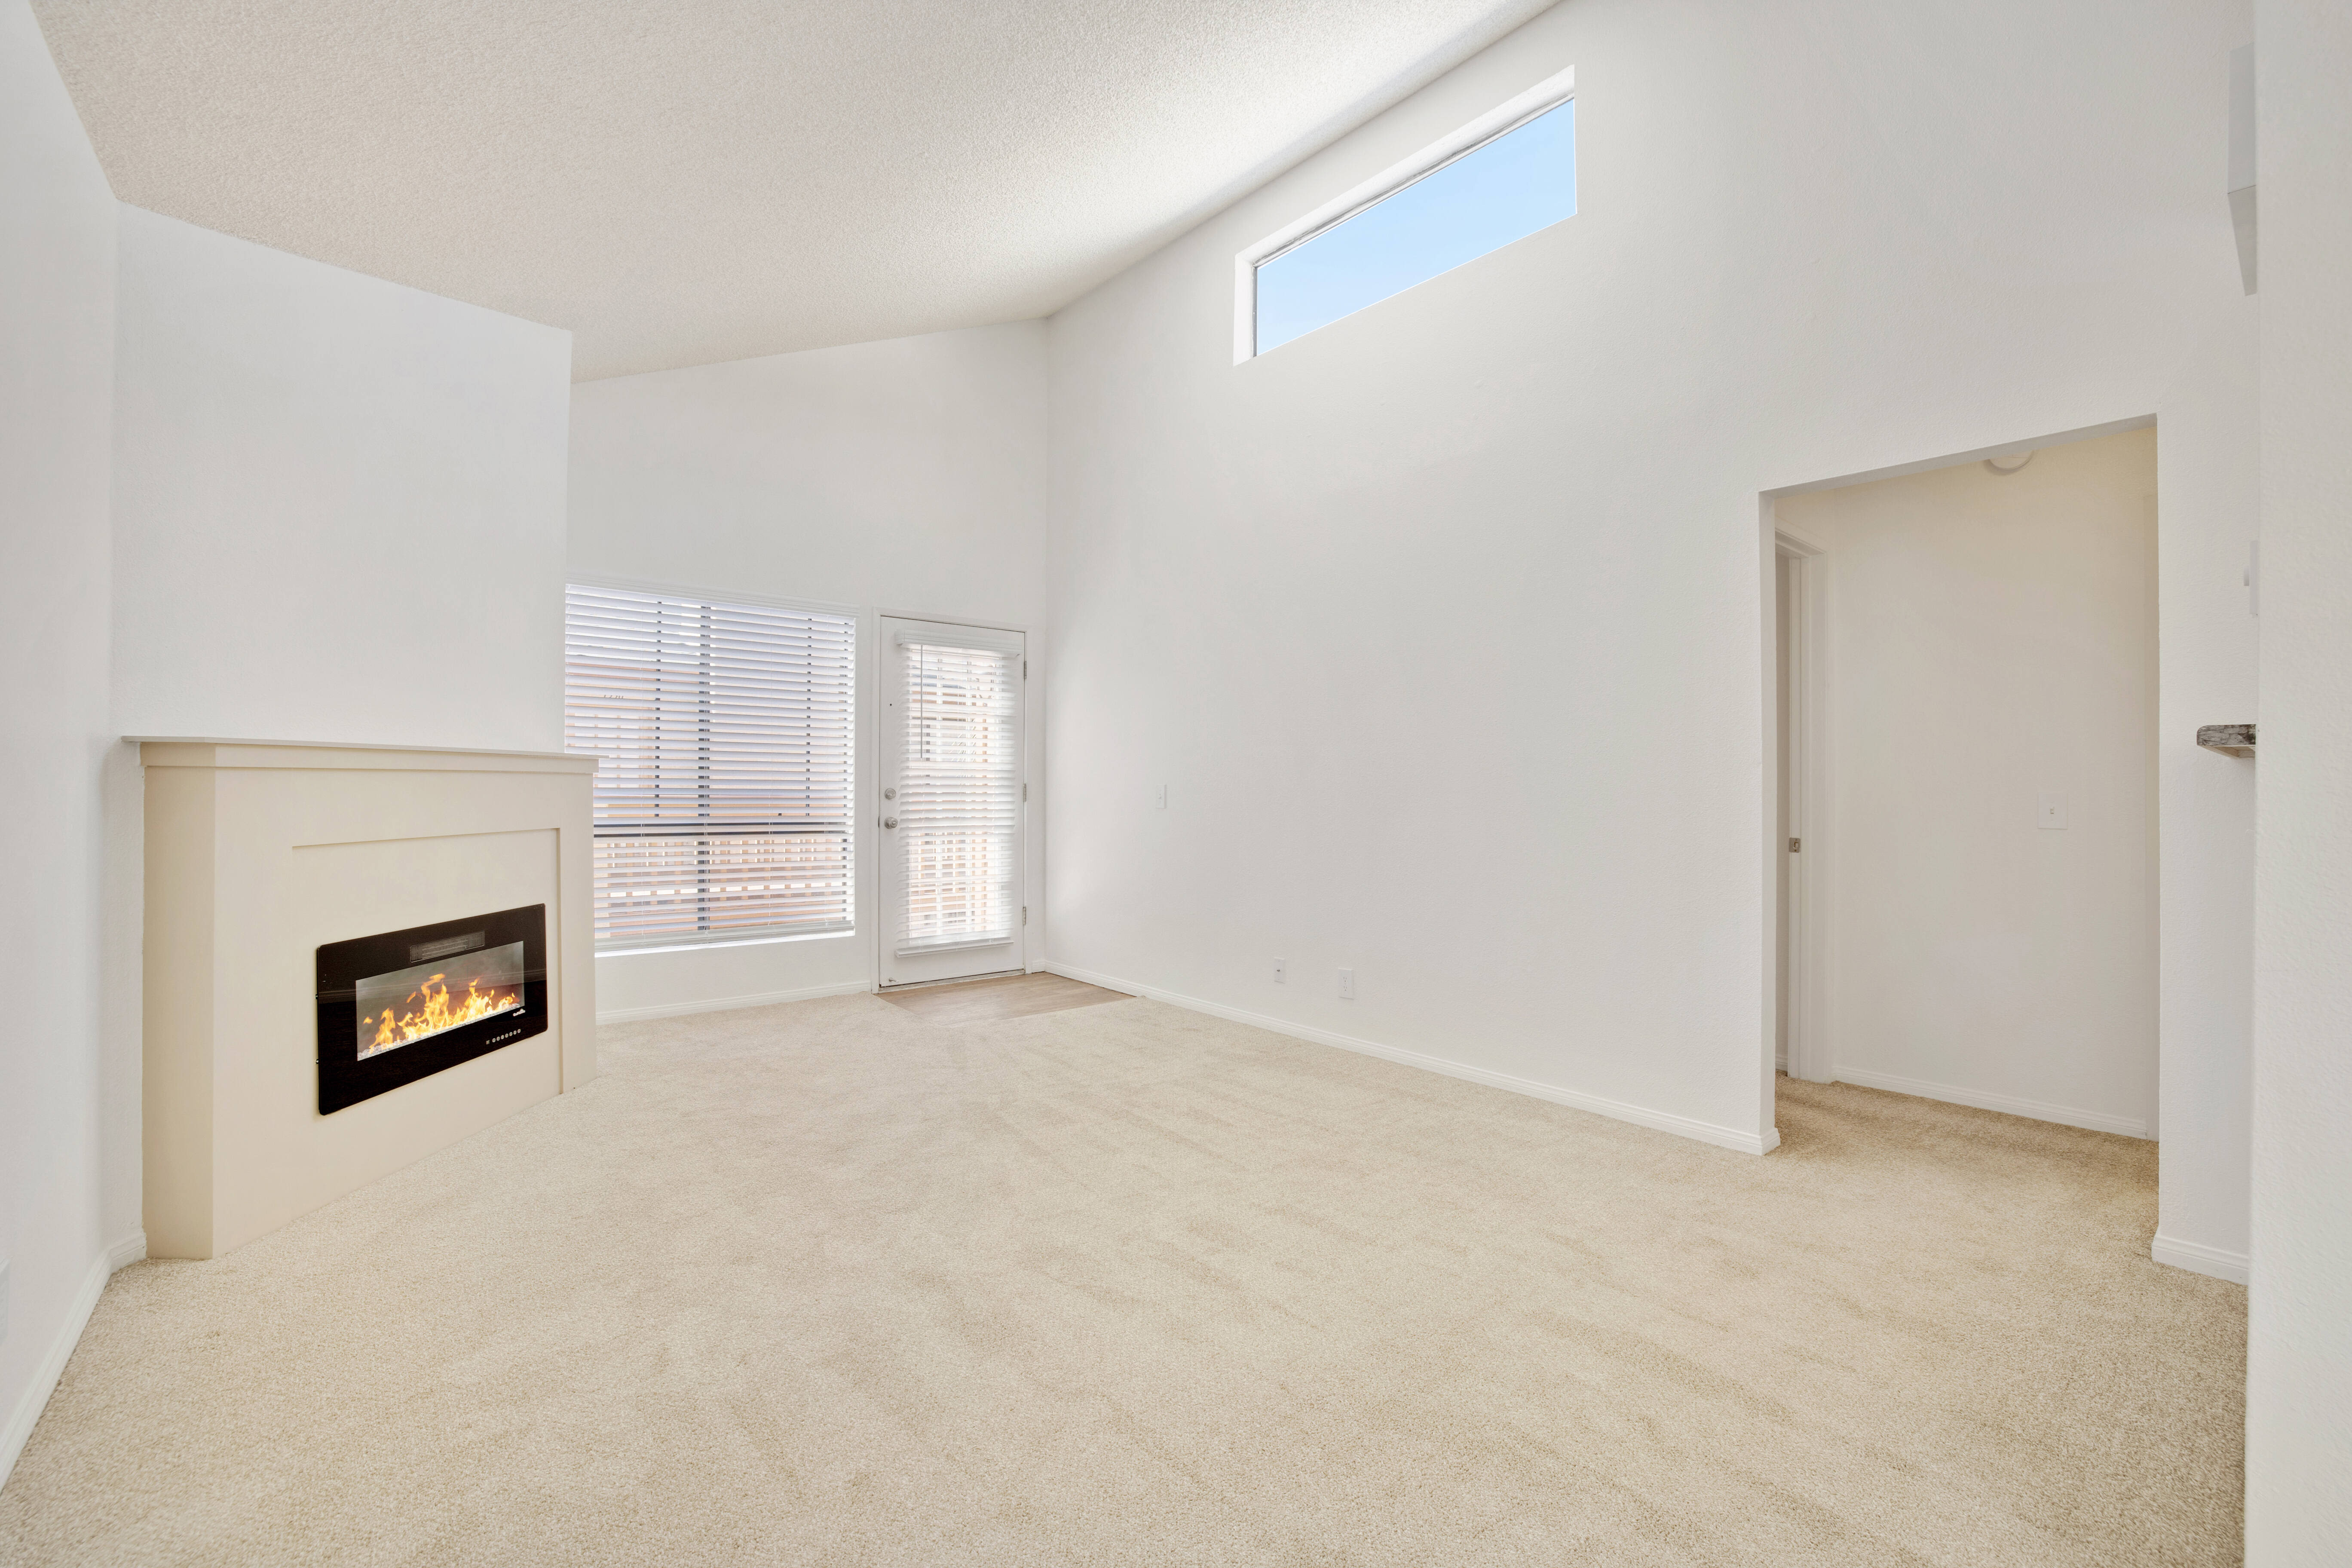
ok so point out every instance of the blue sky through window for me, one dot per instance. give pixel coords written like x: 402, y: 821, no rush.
x: 1507, y: 189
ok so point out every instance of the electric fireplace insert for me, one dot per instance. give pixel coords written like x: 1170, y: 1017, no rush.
x: 404, y: 1005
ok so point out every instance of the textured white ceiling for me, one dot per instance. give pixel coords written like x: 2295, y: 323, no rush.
x: 685, y: 181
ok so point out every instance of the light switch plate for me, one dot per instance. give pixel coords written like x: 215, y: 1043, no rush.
x: 1160, y: 798
x: 2053, y: 811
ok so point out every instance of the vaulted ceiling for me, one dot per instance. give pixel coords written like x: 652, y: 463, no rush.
x: 685, y: 181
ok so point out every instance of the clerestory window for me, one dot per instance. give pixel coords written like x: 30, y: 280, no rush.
x: 1499, y: 179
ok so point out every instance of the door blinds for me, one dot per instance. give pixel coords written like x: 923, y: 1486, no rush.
x: 722, y: 801
x: 958, y: 794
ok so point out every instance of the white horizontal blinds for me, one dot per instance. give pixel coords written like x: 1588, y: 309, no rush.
x: 722, y: 801
x: 959, y: 794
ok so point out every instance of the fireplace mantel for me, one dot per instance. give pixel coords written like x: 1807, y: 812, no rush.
x: 259, y: 852
x: 211, y: 752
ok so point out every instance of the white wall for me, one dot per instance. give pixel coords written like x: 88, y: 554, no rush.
x: 1444, y: 624
x: 339, y: 504
x: 57, y: 375
x: 1987, y: 639
x: 2299, y: 1370
x: 903, y: 475
x: 2209, y: 507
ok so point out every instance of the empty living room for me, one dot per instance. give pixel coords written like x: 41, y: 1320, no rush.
x: 1136, y: 781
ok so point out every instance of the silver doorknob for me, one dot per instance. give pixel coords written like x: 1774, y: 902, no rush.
x: 889, y: 795
x: 889, y: 821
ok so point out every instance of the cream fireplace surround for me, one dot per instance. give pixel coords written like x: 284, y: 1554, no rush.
x: 258, y: 852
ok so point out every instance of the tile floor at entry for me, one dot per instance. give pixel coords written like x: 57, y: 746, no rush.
x: 999, y: 996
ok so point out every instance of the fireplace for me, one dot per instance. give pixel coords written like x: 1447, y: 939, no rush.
x: 404, y: 1005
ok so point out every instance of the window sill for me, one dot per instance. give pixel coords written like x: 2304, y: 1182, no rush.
x: 709, y: 946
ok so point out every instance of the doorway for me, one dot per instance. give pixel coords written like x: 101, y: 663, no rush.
x: 952, y: 799
x: 1966, y: 732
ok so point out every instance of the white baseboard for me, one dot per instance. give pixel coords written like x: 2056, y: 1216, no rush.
x: 35, y: 1397
x: 723, y: 1003
x: 2064, y: 1115
x: 1641, y: 1116
x: 2200, y: 1259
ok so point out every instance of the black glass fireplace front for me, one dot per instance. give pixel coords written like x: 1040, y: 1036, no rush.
x: 404, y: 1005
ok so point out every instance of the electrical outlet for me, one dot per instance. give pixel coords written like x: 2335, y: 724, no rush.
x: 1347, y: 985
x: 1159, y: 798
x: 1282, y: 972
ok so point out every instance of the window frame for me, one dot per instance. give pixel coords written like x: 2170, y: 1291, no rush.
x: 1501, y: 120
x: 858, y: 761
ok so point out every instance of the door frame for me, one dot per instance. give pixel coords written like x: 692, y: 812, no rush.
x: 1813, y: 1054
x: 1033, y: 751
x: 1810, y: 1057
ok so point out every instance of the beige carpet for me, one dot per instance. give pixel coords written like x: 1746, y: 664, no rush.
x: 831, y: 1284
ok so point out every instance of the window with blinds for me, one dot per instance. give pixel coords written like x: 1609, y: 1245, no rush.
x: 958, y: 794
x: 723, y: 797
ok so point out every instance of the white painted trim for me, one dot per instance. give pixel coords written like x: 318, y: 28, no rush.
x: 728, y: 1004
x: 841, y: 934
x: 714, y: 596
x: 2200, y: 1259
x: 2009, y: 1104
x: 35, y: 1397
x: 1808, y: 1055
x: 971, y: 946
x: 1639, y: 1116
x: 1811, y: 1031
x: 1772, y: 1054
x: 1541, y: 99
x: 949, y: 634
x: 890, y: 615
x: 953, y: 979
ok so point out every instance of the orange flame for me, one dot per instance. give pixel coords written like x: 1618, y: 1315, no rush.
x: 429, y: 1010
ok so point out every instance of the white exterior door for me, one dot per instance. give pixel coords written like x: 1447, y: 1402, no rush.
x: 951, y: 802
